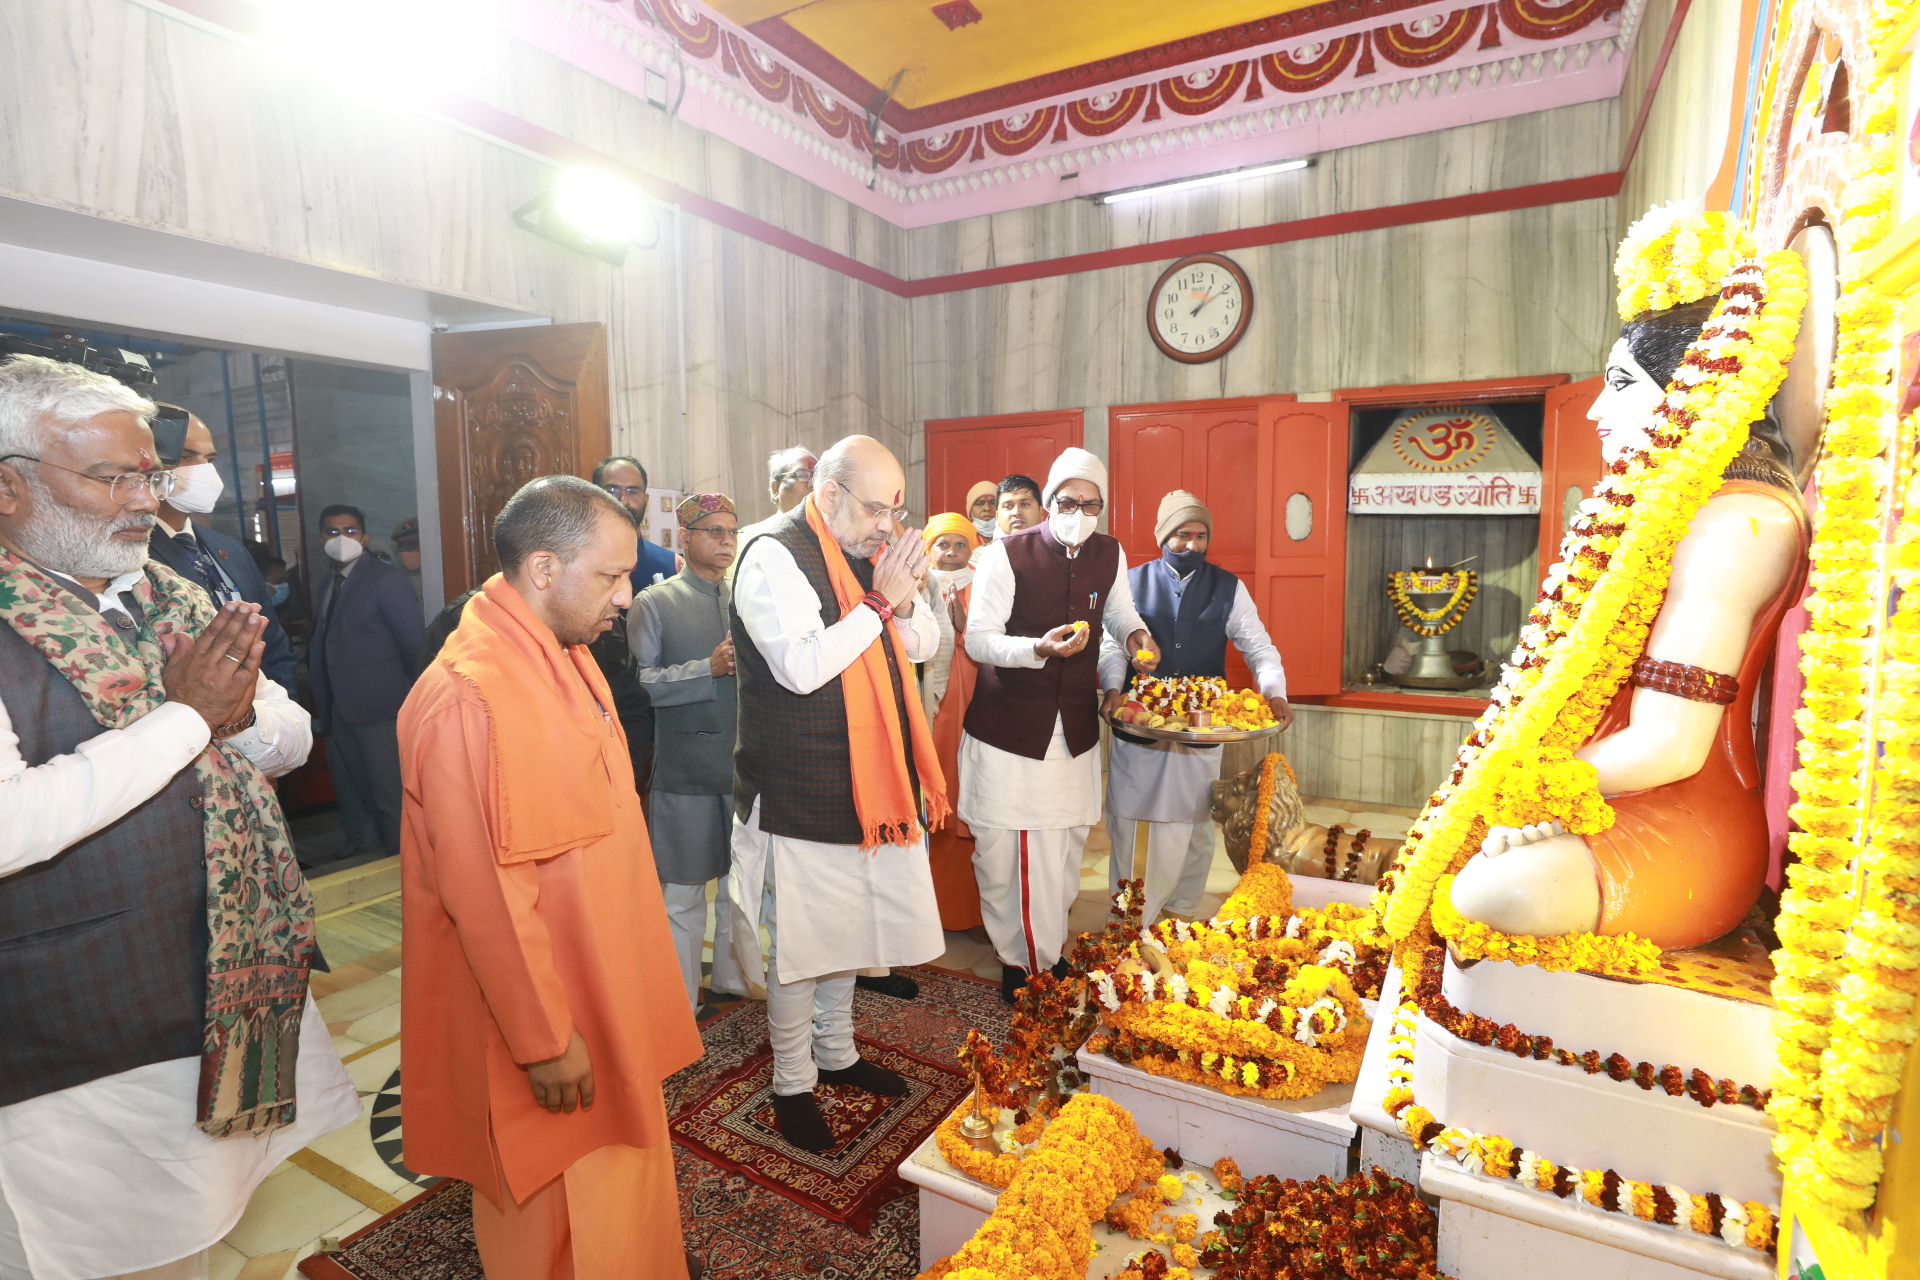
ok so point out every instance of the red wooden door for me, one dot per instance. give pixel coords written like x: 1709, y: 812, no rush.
x: 1570, y: 462
x: 1207, y: 448
x: 961, y: 452
x: 1300, y: 552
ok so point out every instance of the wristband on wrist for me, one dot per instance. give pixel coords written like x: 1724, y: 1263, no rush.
x: 237, y: 726
x: 878, y: 603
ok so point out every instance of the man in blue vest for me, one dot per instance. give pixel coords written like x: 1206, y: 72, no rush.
x: 1158, y: 793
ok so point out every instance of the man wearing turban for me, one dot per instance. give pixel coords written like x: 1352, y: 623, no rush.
x: 678, y: 630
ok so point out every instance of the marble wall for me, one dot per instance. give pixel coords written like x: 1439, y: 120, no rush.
x: 1371, y: 757
x: 1523, y: 292
x: 1686, y: 130
x: 114, y: 109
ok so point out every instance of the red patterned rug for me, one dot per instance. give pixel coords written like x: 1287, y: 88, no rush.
x: 843, y: 1216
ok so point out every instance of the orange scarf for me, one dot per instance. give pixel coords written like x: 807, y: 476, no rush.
x: 544, y: 702
x: 949, y: 722
x: 882, y: 791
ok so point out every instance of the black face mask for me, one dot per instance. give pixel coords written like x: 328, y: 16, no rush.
x: 1183, y: 562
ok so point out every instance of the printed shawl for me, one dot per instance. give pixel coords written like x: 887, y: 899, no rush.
x: 882, y: 791
x: 259, y: 911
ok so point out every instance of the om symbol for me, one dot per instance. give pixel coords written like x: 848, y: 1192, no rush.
x: 1447, y: 438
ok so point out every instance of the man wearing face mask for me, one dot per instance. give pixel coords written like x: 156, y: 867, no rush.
x: 367, y: 628
x: 1029, y: 773
x: 1159, y: 793
x: 204, y: 556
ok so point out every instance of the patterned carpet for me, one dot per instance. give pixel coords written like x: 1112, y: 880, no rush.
x: 841, y: 1216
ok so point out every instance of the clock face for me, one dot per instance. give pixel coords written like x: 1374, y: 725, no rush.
x: 1199, y: 308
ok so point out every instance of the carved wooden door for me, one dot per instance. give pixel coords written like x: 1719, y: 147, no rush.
x: 1207, y: 447
x: 1570, y: 462
x: 961, y: 452
x: 510, y: 405
x: 1300, y: 548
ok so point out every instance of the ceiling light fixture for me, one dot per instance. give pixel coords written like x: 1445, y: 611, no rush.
x: 1212, y: 179
x: 593, y: 212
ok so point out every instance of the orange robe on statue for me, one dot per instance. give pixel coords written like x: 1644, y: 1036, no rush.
x: 532, y: 910
x: 950, y: 849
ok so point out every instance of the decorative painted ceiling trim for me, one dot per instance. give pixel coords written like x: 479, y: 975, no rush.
x: 238, y: 20
x: 782, y: 36
x: 1435, y: 68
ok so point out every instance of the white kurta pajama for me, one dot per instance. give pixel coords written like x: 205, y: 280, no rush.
x: 113, y: 1177
x: 830, y: 909
x: 1167, y: 787
x: 1029, y: 818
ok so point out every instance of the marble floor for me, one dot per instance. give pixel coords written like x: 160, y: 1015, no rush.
x: 340, y: 1184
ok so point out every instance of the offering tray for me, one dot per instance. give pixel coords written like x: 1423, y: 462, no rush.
x: 1205, y: 738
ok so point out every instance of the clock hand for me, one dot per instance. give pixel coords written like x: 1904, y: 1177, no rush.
x: 1203, y: 302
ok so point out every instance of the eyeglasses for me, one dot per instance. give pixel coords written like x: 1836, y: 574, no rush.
x: 122, y: 488
x: 719, y: 533
x: 877, y: 510
x: 624, y: 490
x: 1067, y: 506
x: 802, y: 476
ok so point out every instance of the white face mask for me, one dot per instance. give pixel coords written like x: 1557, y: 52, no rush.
x: 987, y: 527
x: 196, y: 488
x: 1072, y: 528
x: 343, y: 550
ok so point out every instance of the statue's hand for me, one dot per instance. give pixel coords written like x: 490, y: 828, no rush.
x: 1501, y: 839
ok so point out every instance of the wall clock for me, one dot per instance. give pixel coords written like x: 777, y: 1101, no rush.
x: 1199, y: 308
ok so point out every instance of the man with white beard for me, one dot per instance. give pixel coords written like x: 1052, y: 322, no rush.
x: 159, y: 1051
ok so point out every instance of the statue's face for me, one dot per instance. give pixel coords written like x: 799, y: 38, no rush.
x: 1623, y: 412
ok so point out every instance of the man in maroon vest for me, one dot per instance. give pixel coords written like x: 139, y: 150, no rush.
x: 1029, y: 774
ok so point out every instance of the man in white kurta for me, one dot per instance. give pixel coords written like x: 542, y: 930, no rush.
x: 112, y: 1176
x: 1029, y: 761
x: 1159, y: 794
x: 830, y: 906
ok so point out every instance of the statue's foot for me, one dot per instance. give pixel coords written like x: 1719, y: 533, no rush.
x: 1531, y: 880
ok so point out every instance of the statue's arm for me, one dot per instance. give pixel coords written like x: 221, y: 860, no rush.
x: 1734, y: 559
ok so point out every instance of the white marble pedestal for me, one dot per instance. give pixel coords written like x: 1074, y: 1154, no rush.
x: 952, y: 1207
x: 1302, y: 1138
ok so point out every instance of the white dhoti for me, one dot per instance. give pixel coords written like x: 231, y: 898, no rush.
x: 1167, y: 788
x: 830, y: 910
x: 1030, y: 820
x: 103, y: 1178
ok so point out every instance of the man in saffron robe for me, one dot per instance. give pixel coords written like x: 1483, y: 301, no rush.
x: 946, y: 685
x: 541, y: 998
x: 835, y: 772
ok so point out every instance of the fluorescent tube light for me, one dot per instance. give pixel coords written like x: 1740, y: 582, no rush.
x: 1212, y: 179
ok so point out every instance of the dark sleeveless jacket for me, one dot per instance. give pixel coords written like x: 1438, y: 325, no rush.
x: 792, y: 751
x: 103, y: 949
x: 1013, y: 708
x: 1187, y: 619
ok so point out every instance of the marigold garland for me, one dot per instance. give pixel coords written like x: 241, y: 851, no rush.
x: 1597, y: 605
x: 1625, y: 956
x: 1741, y: 1223
x: 1843, y: 1000
x: 1039, y: 1229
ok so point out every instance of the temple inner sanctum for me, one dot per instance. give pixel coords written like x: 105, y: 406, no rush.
x: 959, y: 639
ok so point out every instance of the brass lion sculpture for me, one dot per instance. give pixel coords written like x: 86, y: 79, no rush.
x: 1292, y: 842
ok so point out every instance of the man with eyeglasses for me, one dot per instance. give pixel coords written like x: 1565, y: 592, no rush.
x: 789, y: 481
x: 622, y: 476
x: 835, y: 774
x: 160, y: 1053
x: 1029, y: 771
x: 678, y: 631
x: 367, y: 628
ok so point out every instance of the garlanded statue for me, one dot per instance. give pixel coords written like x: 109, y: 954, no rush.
x: 1612, y: 788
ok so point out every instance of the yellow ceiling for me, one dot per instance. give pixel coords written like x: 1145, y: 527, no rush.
x: 1014, y: 39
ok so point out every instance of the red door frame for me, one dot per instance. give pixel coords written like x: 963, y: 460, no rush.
x: 1421, y: 393
x: 1073, y: 419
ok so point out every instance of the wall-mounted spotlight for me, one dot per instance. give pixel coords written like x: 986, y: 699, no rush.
x: 593, y: 212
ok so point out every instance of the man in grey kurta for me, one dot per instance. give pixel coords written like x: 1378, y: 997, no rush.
x: 678, y: 630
